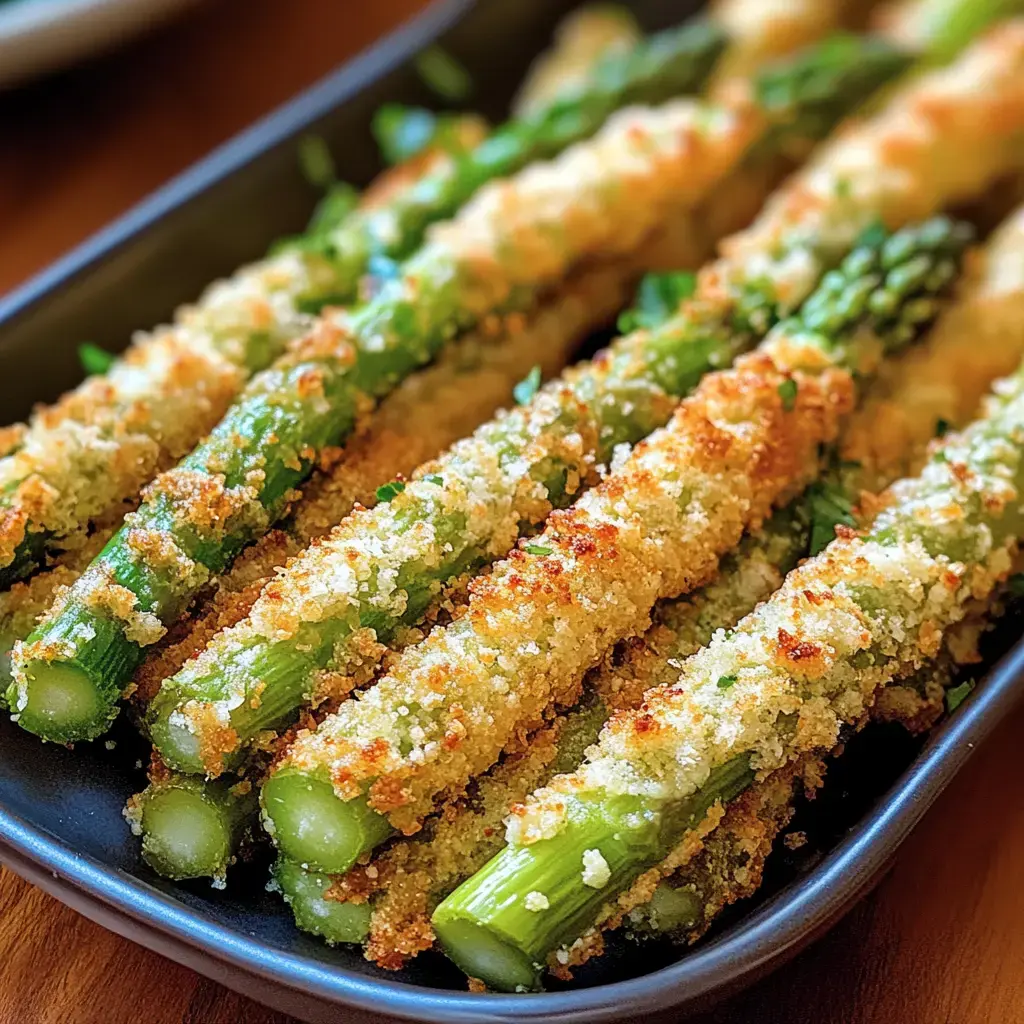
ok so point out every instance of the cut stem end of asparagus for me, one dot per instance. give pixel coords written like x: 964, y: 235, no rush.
x: 315, y: 828
x: 63, y: 704
x: 305, y: 892
x: 179, y: 748
x: 482, y: 954
x: 185, y: 836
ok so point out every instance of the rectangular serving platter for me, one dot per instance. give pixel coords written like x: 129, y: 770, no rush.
x: 60, y: 811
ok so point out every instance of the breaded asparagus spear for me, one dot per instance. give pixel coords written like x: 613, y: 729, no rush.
x: 459, y: 515
x: 102, y: 442
x: 601, y: 199
x: 430, y: 410
x: 819, y: 205
x: 870, y: 608
x: 980, y: 338
x: 656, y: 527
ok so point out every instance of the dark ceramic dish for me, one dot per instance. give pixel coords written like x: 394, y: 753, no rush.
x: 60, y: 811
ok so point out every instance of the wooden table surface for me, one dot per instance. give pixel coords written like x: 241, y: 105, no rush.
x: 941, y: 940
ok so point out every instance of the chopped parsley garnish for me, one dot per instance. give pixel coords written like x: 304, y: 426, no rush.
x: 956, y: 695
x: 657, y: 299
x: 444, y: 74
x: 787, y: 392
x: 537, y: 549
x: 941, y: 427
x: 829, y: 507
x: 725, y: 682
x: 524, y: 391
x: 95, y: 359
x: 388, y: 491
x: 338, y: 202
x: 1015, y: 584
x: 433, y: 478
x: 316, y: 161
x: 403, y: 132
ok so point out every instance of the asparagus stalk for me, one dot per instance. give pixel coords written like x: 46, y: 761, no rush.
x: 305, y: 892
x: 298, y: 630
x: 102, y: 443
x: 190, y: 828
x: 473, y: 379
x: 602, y: 198
x: 870, y: 608
x: 978, y: 339
x: 795, y: 215
x: 653, y: 529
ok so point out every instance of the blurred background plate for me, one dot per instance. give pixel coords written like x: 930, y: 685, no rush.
x: 43, y: 35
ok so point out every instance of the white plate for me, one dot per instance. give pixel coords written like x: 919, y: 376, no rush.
x: 41, y: 35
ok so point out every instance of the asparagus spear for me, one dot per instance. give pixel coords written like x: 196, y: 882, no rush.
x: 602, y: 198
x: 980, y: 338
x: 804, y: 215
x: 191, y: 829
x: 653, y: 529
x: 473, y: 379
x: 298, y: 630
x: 106, y: 439
x: 870, y: 608
x: 305, y: 892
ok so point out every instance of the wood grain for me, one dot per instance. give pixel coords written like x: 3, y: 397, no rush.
x: 942, y: 939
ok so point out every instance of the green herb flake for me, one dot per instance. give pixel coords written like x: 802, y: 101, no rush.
x: 95, y: 359
x: 956, y: 695
x: 726, y: 682
x: 787, y: 392
x: 941, y: 427
x: 433, y: 478
x: 829, y: 507
x: 316, y: 162
x: 1015, y: 584
x: 844, y: 188
x: 403, y: 132
x: 658, y: 299
x: 537, y: 549
x: 388, y: 491
x: 338, y: 202
x: 524, y: 391
x: 443, y: 74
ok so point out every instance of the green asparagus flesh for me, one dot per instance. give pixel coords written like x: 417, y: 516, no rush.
x: 887, y: 595
x: 884, y: 292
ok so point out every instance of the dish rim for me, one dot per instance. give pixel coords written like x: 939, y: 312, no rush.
x: 138, y: 911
